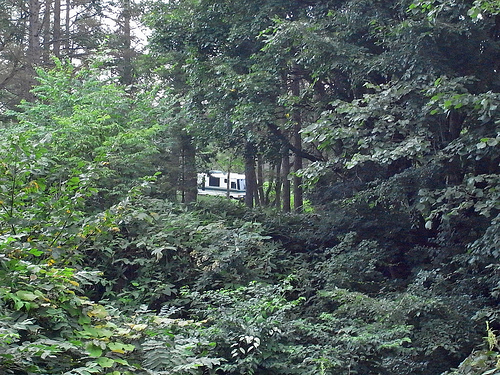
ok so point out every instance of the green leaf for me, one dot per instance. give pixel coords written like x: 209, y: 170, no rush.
x: 36, y: 252
x: 94, y: 351
x: 474, y: 12
x: 26, y: 295
x: 74, y: 181
x: 98, y: 312
x: 84, y: 319
x: 119, y: 347
x: 105, y: 362
x: 122, y: 361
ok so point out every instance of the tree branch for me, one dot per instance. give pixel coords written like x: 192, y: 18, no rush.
x: 299, y: 152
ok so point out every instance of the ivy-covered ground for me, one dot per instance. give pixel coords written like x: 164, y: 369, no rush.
x: 152, y: 287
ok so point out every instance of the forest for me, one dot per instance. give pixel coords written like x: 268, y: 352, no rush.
x: 368, y: 239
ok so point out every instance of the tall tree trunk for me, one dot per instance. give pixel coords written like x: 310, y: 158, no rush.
x: 57, y: 29
x: 277, y: 189
x: 455, y: 174
x: 189, y: 188
x: 270, y: 187
x: 127, y: 78
x: 298, y: 191
x: 228, y: 185
x: 47, y: 38
x: 298, y: 194
x: 260, y: 180
x: 67, y: 29
x: 250, y: 180
x: 34, y: 49
x: 285, y: 171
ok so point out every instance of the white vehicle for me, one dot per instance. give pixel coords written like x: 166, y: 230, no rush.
x: 216, y: 183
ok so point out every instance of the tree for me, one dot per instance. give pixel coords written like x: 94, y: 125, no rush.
x: 11, y: 65
x: 75, y: 30
x: 92, y: 123
x: 226, y: 84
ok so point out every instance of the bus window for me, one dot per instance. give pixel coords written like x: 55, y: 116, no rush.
x: 241, y: 184
x: 213, y: 181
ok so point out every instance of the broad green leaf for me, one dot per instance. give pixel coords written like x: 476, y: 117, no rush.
x: 26, y: 295
x: 94, y: 351
x: 122, y: 361
x: 119, y: 347
x: 84, y: 319
x: 98, y: 312
x: 105, y: 362
x: 36, y: 252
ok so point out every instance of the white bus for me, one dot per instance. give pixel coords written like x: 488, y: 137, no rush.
x: 216, y: 183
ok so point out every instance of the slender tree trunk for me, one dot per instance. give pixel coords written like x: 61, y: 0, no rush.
x: 277, y: 191
x: 250, y: 179
x: 67, y: 30
x: 34, y: 51
x: 189, y: 187
x: 127, y: 77
x: 284, y: 150
x: 285, y: 171
x: 253, y: 181
x: 298, y: 194
x: 455, y: 174
x: 260, y: 180
x: 270, y: 187
x: 298, y: 191
x: 47, y: 38
x: 34, y: 48
x: 57, y: 29
x: 228, y: 184
x: 228, y: 188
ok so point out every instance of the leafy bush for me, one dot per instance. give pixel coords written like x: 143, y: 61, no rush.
x: 484, y: 361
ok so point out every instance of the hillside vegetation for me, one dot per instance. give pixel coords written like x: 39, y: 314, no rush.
x: 152, y: 287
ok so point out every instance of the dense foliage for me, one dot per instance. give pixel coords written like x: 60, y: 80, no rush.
x: 394, y: 268
x: 157, y: 289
